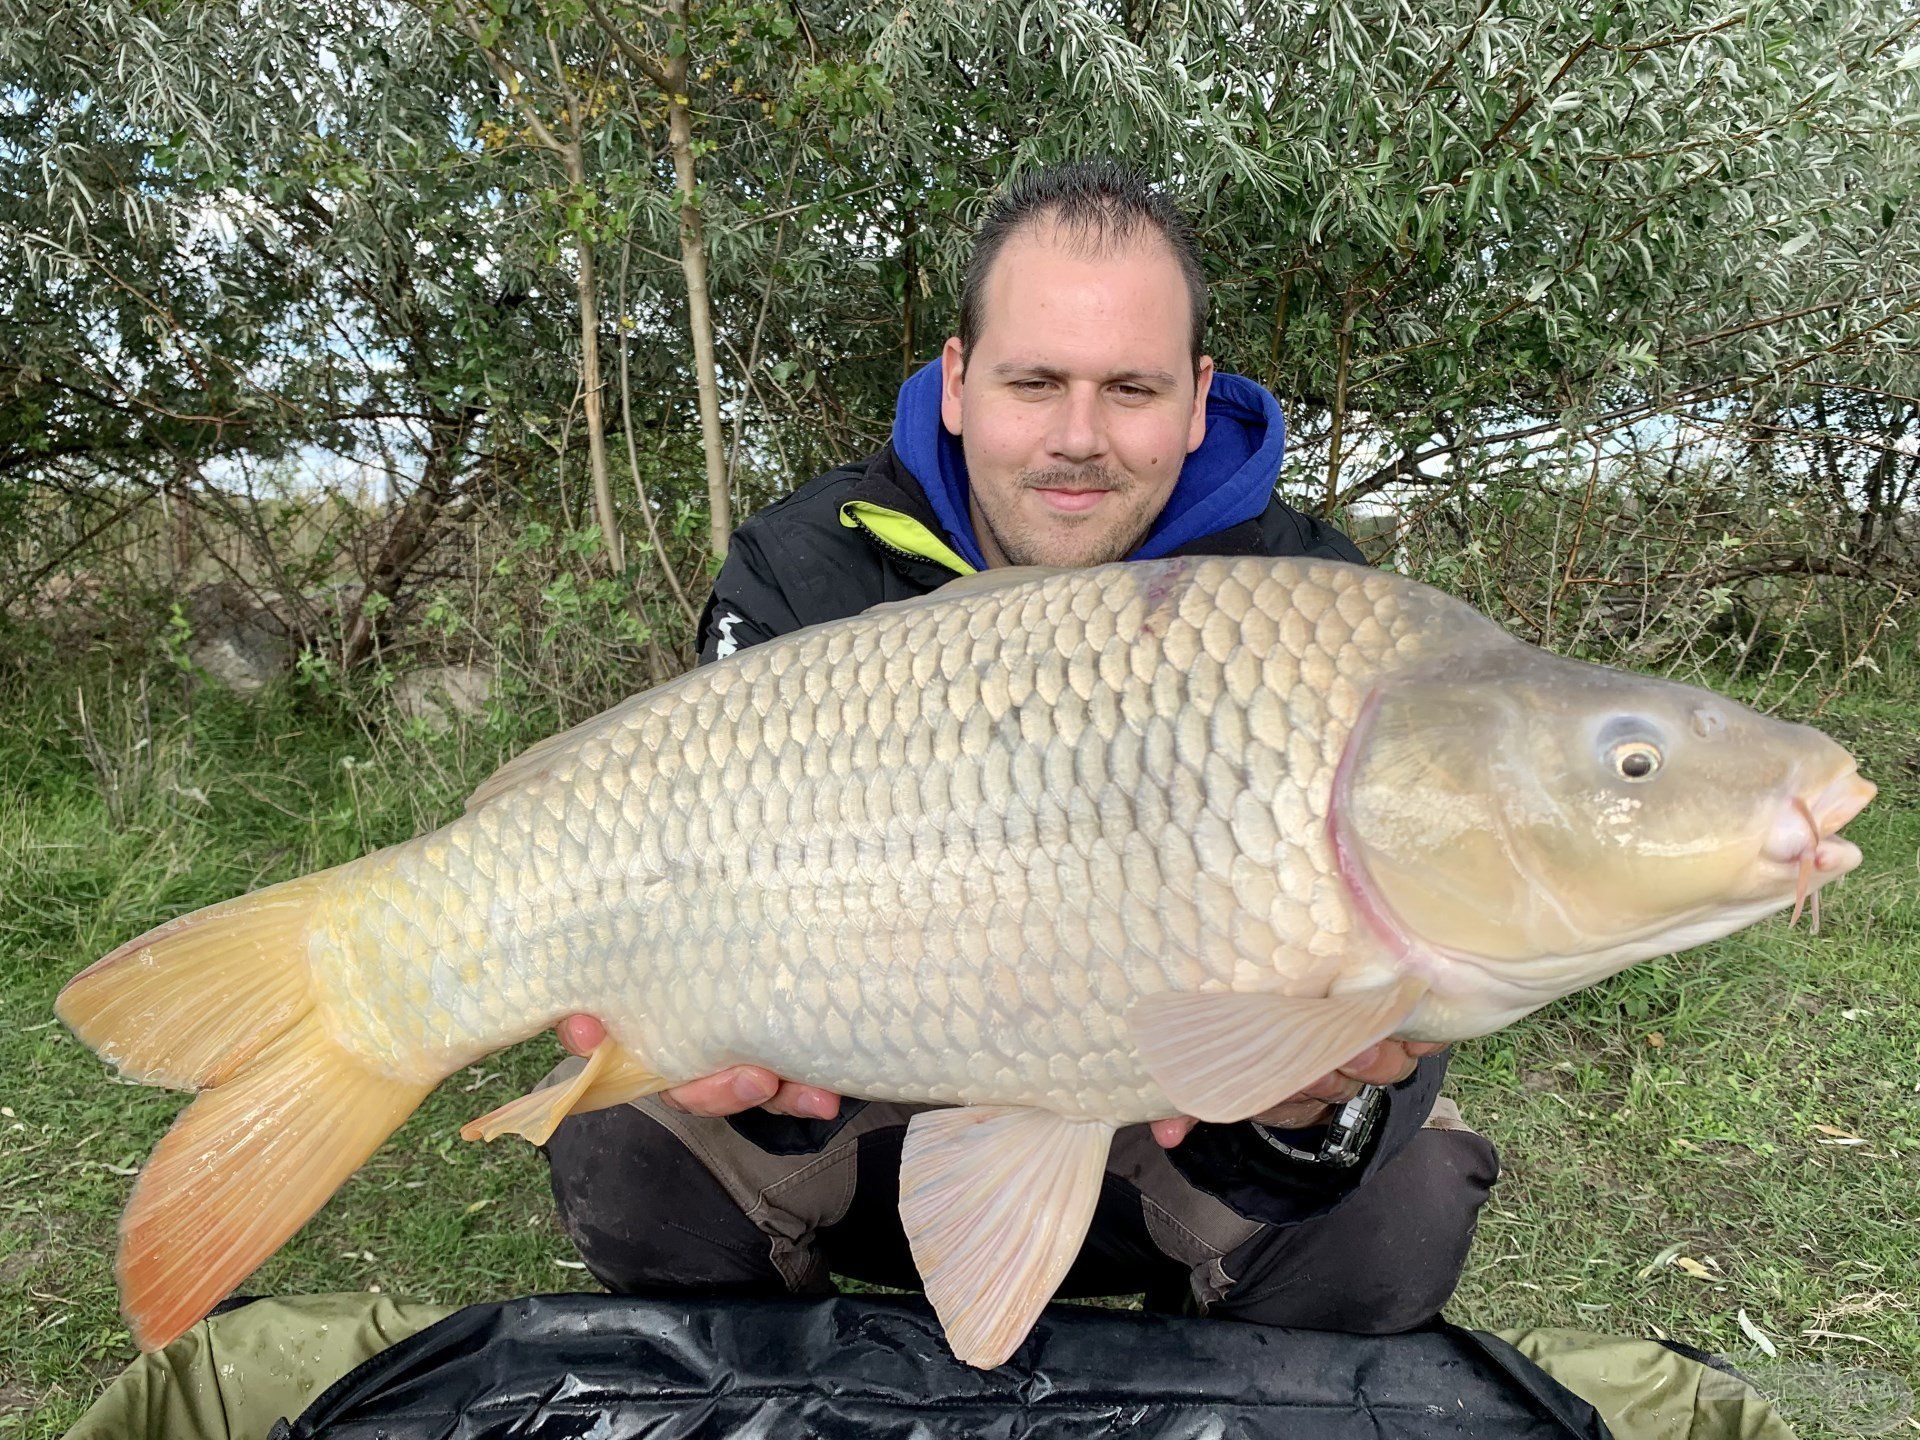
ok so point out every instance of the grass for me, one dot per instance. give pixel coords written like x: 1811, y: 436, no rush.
x: 1732, y: 1131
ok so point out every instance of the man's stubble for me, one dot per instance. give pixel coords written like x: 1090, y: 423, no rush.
x: 1118, y: 537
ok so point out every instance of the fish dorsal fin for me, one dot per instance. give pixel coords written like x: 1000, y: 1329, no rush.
x: 1226, y: 1056
x: 995, y: 1201
x: 539, y: 759
x: 981, y: 582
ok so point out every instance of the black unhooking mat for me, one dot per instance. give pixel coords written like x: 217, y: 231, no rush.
x: 611, y: 1367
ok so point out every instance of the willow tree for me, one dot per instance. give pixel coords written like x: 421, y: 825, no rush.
x: 217, y: 272
x: 1414, y: 212
x: 1447, y: 236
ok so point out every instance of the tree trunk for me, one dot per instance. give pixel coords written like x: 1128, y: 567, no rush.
x: 1277, y: 338
x: 587, y: 280
x: 181, y: 524
x: 693, y: 260
x: 411, y: 536
x: 910, y: 282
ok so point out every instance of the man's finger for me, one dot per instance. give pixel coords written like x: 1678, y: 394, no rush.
x: 805, y: 1102
x: 727, y: 1093
x: 1382, y: 1064
x: 1172, y: 1130
x: 580, y: 1033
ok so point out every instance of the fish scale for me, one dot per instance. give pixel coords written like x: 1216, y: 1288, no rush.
x: 1095, y: 770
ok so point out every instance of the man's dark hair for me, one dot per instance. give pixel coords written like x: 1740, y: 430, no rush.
x: 1101, y: 206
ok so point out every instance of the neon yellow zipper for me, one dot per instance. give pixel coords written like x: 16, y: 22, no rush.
x: 902, y: 534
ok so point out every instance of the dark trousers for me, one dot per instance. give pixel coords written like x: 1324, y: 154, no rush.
x: 660, y: 1203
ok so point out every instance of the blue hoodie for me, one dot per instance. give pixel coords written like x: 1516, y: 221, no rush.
x: 1227, y: 480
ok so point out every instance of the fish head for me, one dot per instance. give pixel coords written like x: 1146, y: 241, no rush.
x: 1549, y: 822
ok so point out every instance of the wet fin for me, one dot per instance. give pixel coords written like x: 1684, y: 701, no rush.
x: 191, y: 1001
x: 623, y: 1080
x: 996, y: 1201
x: 610, y: 1077
x: 242, y: 1168
x: 1229, y: 1055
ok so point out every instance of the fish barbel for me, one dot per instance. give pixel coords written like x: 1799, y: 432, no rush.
x: 1061, y: 850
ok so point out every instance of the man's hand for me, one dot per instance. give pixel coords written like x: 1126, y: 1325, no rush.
x: 1382, y: 1064
x: 727, y: 1093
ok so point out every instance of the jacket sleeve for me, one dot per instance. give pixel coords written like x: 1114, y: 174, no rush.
x: 1234, y: 1164
x: 747, y: 605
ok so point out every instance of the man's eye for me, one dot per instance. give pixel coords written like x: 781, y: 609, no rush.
x: 1030, y: 387
x: 1132, y: 392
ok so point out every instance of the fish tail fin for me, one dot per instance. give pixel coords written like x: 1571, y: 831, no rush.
x: 219, y: 1001
x: 190, y: 1002
x: 243, y: 1168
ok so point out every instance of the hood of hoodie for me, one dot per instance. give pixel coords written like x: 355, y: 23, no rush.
x: 1227, y: 480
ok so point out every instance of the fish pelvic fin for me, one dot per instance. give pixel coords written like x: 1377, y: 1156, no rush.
x: 243, y: 1168
x: 1227, y: 1055
x: 996, y: 1201
x: 609, y: 1077
x: 190, y: 1002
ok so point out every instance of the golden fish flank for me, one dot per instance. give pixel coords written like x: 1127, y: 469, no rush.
x: 1068, y: 849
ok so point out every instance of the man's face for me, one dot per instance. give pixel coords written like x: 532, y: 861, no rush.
x: 1080, y: 401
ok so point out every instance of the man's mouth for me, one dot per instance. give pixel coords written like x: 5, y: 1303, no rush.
x: 1066, y: 493
x: 1070, y: 501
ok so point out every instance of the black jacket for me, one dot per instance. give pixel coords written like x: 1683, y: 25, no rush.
x: 865, y: 533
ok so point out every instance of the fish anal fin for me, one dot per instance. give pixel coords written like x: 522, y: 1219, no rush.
x: 610, y: 1077
x: 243, y: 1167
x: 623, y: 1079
x: 1226, y: 1056
x: 995, y: 1202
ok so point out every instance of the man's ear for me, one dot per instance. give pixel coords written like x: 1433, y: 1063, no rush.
x: 1197, y: 423
x: 953, y: 366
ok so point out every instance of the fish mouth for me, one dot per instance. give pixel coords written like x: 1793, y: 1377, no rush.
x: 1805, y: 839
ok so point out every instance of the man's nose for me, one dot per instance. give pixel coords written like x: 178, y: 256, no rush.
x: 1079, y: 429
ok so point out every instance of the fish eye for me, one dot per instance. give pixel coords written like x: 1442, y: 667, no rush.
x: 1635, y: 759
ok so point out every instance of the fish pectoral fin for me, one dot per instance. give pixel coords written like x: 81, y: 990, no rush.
x: 1229, y: 1055
x: 610, y: 1077
x: 995, y: 1201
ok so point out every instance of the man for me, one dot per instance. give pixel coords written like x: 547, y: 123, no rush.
x: 1074, y: 420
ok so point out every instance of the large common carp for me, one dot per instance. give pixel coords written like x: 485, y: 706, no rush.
x: 1066, y: 850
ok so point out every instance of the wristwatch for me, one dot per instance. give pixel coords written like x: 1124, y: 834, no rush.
x: 1346, y: 1135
